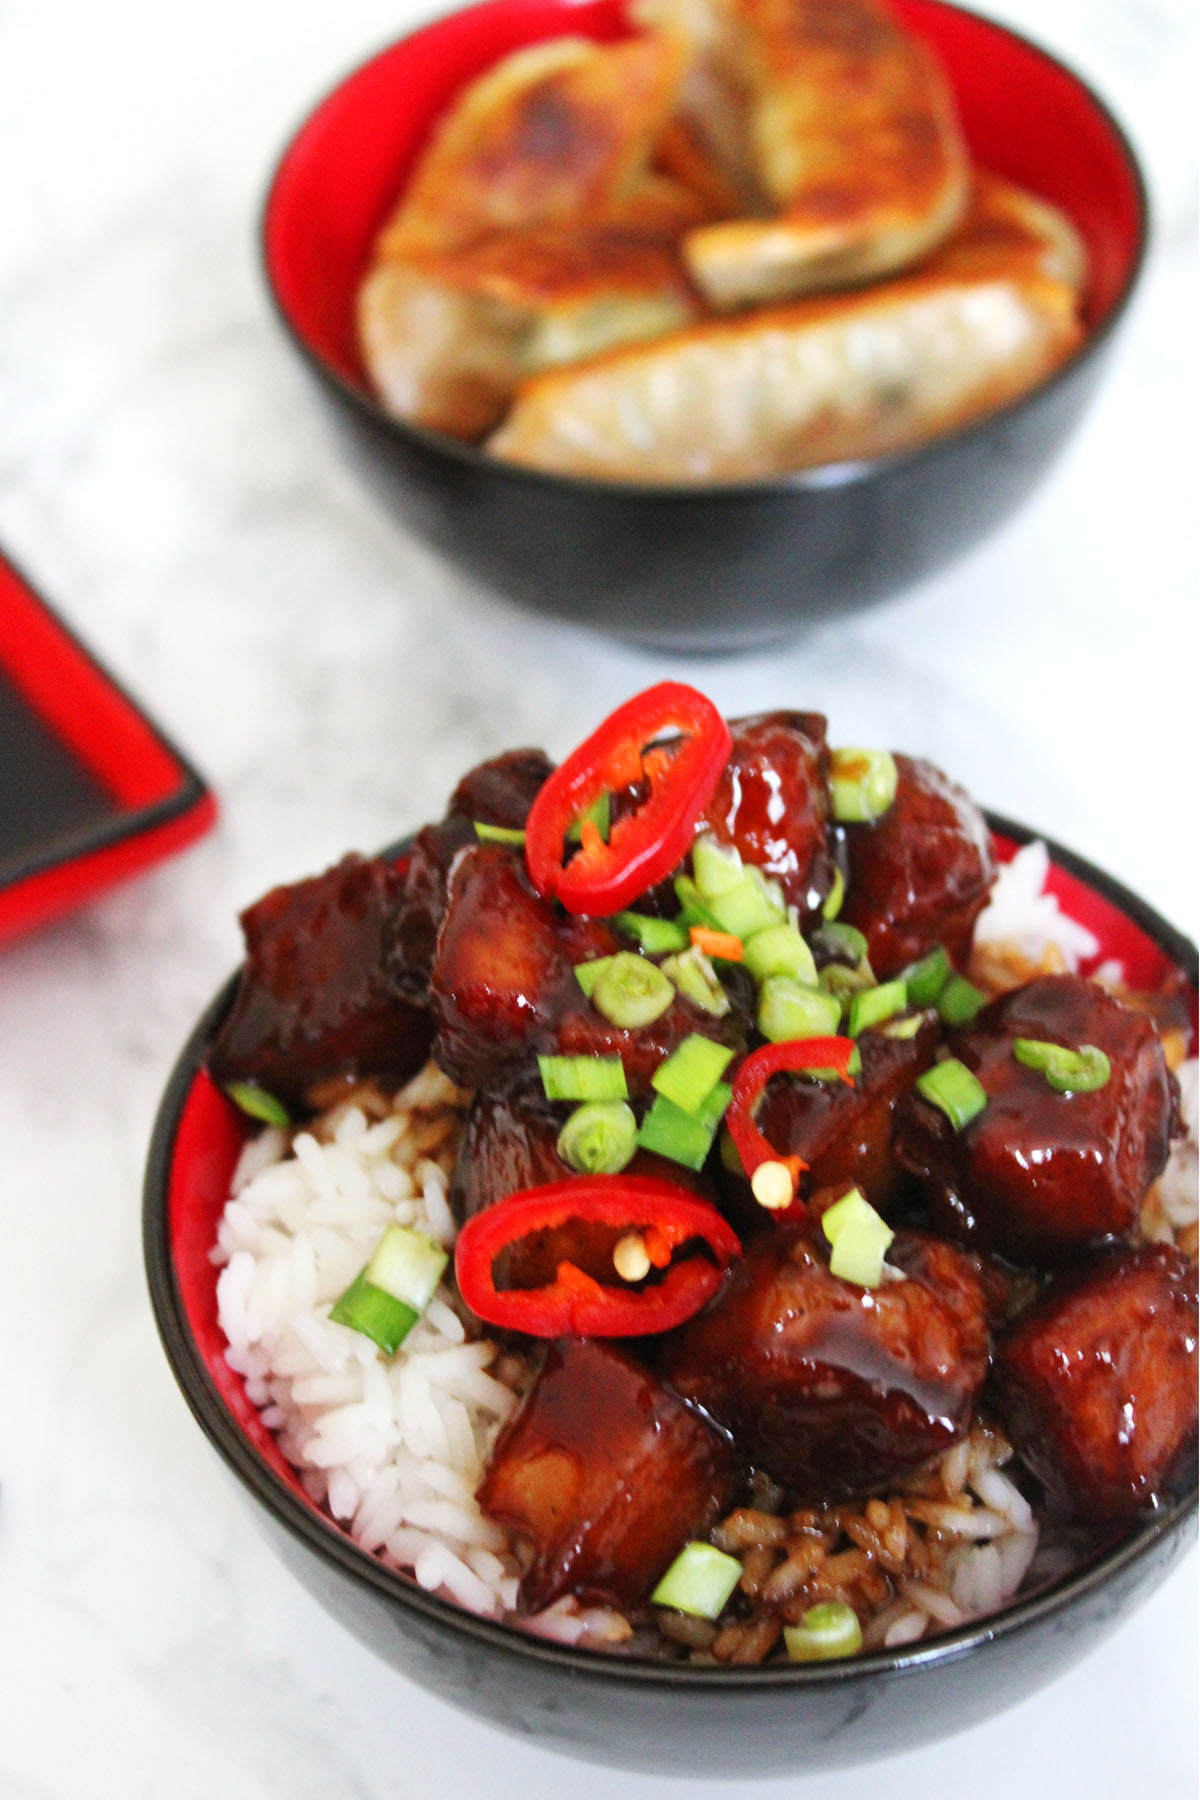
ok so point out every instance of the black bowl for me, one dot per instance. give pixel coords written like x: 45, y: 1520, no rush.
x: 717, y: 1721
x: 724, y: 566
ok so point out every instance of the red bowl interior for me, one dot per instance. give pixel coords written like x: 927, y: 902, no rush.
x: 211, y: 1133
x: 1025, y: 116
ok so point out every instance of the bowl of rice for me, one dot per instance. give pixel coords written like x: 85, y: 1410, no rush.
x: 365, y: 1472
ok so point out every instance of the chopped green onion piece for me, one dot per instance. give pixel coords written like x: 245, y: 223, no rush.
x: 853, y: 1068
x: 716, y: 867
x: 599, y: 812
x: 827, y: 1630
x: 699, y: 1581
x: 693, y: 910
x: 779, y: 950
x: 693, y: 974
x: 257, y: 1103
x: 838, y: 980
x: 837, y: 893
x: 684, y: 1137
x: 840, y: 943
x: 750, y: 906
x: 959, y: 1001
x: 928, y: 977
x: 587, y: 974
x: 388, y: 1295
x: 692, y: 1071
x: 862, y: 784
x: 583, y: 1077
x: 1067, y: 1071
x: 499, y: 834
x: 787, y: 1009
x: 951, y: 1086
x: 905, y: 1028
x: 873, y: 1005
x: 632, y: 991
x: 858, y: 1239
x: 654, y: 935
x: 599, y: 1138
x: 730, y: 1156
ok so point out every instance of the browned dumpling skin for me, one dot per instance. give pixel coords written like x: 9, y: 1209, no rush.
x: 1037, y: 1174
x: 504, y: 988
x: 318, y: 996
x: 1097, y: 1384
x: 831, y: 1388
x: 772, y: 802
x: 919, y: 876
x: 607, y: 1473
x: 852, y: 138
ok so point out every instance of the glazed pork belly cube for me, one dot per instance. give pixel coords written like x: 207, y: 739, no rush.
x: 1097, y: 1383
x: 504, y: 987
x: 1039, y: 1174
x: 498, y: 792
x: 831, y: 1388
x: 607, y: 1474
x: 317, y: 996
x: 919, y: 875
x: 772, y: 803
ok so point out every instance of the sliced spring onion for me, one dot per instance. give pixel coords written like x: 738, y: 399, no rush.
x: 750, y: 906
x: 684, y: 1137
x: 499, y: 834
x: 654, y: 935
x: 694, y: 975
x: 693, y: 910
x: 716, y: 867
x: 951, y: 1086
x: 837, y: 893
x: 599, y: 1138
x: 853, y: 1068
x: 1067, y: 1071
x: 827, y: 1630
x: 587, y: 974
x: 257, y: 1103
x: 779, y: 950
x: 699, y: 1581
x: 862, y: 784
x: 858, y: 1239
x: 959, y: 1001
x: 388, y: 1295
x: 632, y: 991
x: 905, y: 1028
x: 840, y: 943
x: 873, y: 1005
x: 583, y: 1077
x: 691, y: 1072
x: 836, y: 979
x: 787, y: 1009
x: 598, y: 814
x: 928, y: 977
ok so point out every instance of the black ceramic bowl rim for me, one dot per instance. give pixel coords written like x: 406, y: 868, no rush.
x: 332, y: 1543
x: 786, y: 482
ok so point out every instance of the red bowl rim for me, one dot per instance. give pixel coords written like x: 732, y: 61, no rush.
x: 847, y: 473
x: 1160, y: 1532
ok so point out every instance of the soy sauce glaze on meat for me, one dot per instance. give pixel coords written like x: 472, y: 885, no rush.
x: 1014, y: 1286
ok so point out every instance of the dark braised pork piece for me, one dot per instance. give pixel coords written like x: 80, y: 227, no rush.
x: 919, y: 876
x: 834, y: 1389
x: 504, y: 988
x: 499, y: 792
x: 318, y: 996
x: 1038, y: 1174
x: 844, y: 1133
x: 607, y: 1473
x: 772, y: 803
x: 1097, y: 1383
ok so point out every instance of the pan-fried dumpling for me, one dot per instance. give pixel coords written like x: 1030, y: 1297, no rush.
x: 559, y: 131
x: 849, y: 136
x: 447, y: 336
x: 817, y: 381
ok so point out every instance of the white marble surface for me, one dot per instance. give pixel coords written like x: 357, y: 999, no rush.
x: 167, y: 478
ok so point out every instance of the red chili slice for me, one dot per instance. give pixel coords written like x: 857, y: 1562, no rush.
x: 644, y: 845
x: 750, y: 1082
x: 575, y: 1303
